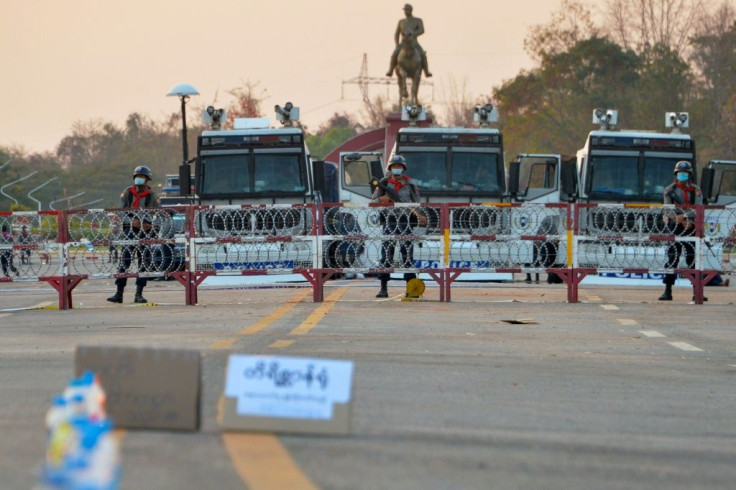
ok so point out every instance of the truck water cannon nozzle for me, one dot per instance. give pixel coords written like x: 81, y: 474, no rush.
x: 606, y: 118
x: 287, y: 114
x: 676, y: 120
x: 413, y: 114
x: 213, y: 117
x: 485, y: 114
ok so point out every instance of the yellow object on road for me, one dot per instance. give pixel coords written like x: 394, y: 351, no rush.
x: 414, y: 288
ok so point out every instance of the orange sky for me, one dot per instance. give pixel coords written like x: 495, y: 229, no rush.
x: 76, y: 60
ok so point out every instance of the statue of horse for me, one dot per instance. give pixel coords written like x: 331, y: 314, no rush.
x: 409, y: 67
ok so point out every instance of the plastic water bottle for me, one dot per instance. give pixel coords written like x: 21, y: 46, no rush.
x: 82, y: 453
x: 58, y: 413
x: 93, y: 396
x: 60, y: 455
x: 97, y: 464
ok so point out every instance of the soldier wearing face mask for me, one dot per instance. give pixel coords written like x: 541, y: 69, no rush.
x: 681, y: 221
x: 397, y: 187
x: 135, y: 225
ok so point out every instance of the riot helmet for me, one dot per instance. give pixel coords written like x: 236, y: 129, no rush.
x: 143, y: 170
x: 397, y: 159
x: 684, y: 166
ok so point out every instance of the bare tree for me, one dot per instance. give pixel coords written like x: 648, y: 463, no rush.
x: 458, y: 104
x: 247, y: 102
x: 374, y: 111
x: 642, y: 24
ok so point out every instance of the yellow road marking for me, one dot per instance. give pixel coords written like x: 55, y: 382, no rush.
x: 223, y: 344
x: 263, y: 463
x: 265, y: 322
x: 45, y: 304
x: 280, y: 344
x: 314, y: 318
x: 594, y: 298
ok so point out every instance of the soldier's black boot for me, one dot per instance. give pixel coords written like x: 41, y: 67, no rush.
x: 383, y: 293
x: 667, y: 295
x: 139, y: 295
x: 118, y: 296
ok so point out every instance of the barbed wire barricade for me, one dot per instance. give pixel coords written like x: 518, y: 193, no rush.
x: 638, y: 239
x: 191, y: 243
x: 256, y: 240
x: 383, y: 239
x: 28, y: 245
x: 719, y: 239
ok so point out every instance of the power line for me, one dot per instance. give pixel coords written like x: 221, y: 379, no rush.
x: 363, y: 80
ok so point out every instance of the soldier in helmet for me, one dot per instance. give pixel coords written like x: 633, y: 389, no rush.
x: 6, y: 253
x: 408, y: 26
x: 397, y: 187
x: 682, y: 192
x: 135, y: 226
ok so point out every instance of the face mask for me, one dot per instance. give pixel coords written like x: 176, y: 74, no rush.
x: 397, y: 171
x: 139, y: 181
x: 683, y: 176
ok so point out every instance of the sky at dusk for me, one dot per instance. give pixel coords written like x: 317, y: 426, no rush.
x: 81, y: 60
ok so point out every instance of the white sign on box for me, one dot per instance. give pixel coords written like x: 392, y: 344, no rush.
x: 289, y: 387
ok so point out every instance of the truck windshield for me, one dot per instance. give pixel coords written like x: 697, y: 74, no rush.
x: 224, y: 174
x: 249, y: 173
x: 658, y: 174
x: 465, y: 171
x: 277, y: 173
x: 614, y: 175
x: 619, y: 177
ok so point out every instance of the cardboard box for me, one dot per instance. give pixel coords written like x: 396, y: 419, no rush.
x: 229, y: 419
x: 287, y: 395
x: 146, y: 388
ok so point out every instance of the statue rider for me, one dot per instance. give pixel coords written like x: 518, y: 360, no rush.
x: 409, y: 25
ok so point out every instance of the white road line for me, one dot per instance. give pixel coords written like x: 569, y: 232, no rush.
x: 652, y: 333
x: 627, y: 321
x: 685, y: 346
x: 609, y: 307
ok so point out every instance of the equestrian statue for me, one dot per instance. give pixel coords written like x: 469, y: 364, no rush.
x: 408, y: 59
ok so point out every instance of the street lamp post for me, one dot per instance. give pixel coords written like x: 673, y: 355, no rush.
x: 2, y: 189
x: 37, y: 188
x: 83, y: 205
x: 183, y: 91
x: 67, y: 199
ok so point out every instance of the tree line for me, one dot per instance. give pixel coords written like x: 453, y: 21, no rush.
x: 646, y: 58
x: 643, y: 58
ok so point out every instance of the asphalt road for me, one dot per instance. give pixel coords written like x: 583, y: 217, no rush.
x: 506, y: 387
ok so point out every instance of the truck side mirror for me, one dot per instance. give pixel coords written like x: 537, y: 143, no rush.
x: 185, y: 180
x: 326, y: 181
x: 707, y: 175
x: 514, y: 169
x: 318, y: 177
x: 569, y: 179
